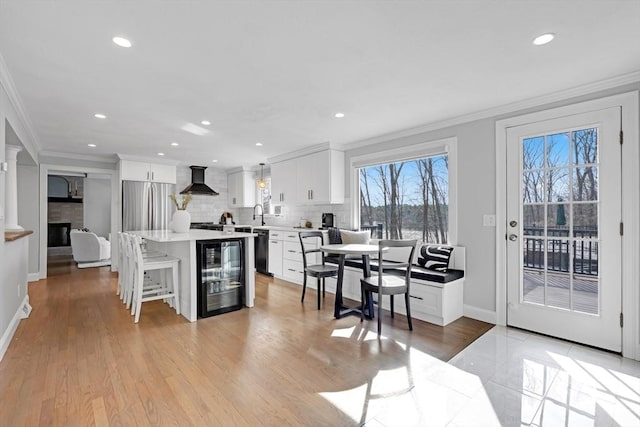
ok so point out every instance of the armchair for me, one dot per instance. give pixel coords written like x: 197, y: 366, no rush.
x: 88, y: 247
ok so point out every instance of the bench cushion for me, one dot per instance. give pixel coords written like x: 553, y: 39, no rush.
x: 417, y: 272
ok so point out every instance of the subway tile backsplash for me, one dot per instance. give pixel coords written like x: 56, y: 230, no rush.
x: 210, y: 208
x: 292, y: 215
x: 204, y: 208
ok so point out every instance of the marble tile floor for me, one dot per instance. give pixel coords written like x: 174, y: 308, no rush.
x: 507, y: 377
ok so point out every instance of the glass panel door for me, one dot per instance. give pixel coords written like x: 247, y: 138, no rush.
x: 560, y: 220
x: 221, y: 276
x: 563, y: 242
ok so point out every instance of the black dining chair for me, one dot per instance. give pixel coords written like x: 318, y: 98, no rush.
x: 319, y: 271
x: 393, y: 278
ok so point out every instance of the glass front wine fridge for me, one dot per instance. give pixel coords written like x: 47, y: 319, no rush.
x: 220, y: 276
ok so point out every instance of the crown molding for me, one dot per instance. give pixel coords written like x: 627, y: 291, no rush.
x: 88, y: 157
x: 610, y: 83
x: 120, y: 156
x: 306, y: 150
x: 16, y: 102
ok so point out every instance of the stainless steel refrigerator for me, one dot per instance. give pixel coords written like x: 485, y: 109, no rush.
x: 146, y: 205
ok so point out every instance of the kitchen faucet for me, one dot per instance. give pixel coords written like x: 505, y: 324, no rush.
x: 258, y: 205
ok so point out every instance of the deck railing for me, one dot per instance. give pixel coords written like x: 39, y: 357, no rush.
x: 376, y: 230
x: 585, y: 252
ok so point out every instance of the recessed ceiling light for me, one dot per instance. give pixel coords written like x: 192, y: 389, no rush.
x: 91, y: 145
x: 174, y: 144
x: 99, y: 116
x: 214, y: 161
x: 543, y: 39
x: 160, y: 154
x: 339, y: 115
x: 258, y: 144
x: 205, y: 122
x: 121, y: 41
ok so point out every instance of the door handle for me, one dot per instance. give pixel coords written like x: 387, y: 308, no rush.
x: 513, y: 237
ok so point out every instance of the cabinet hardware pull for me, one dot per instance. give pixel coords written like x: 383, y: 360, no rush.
x: 153, y: 176
x: 291, y: 269
x: 413, y: 296
x: 311, y: 192
x: 291, y: 251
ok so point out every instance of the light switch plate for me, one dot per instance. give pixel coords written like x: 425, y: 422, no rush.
x: 489, y: 220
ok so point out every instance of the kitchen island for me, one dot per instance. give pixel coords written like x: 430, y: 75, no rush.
x: 183, y: 246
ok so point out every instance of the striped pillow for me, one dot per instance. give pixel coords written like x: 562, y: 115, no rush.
x: 435, y: 257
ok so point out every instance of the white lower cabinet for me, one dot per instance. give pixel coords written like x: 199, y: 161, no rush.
x: 275, y: 256
x: 439, y: 303
x: 287, y: 253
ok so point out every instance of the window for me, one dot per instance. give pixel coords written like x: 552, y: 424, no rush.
x: 407, y: 199
x: 263, y: 196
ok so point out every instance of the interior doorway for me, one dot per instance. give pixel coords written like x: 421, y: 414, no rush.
x: 73, y: 198
x: 75, y: 201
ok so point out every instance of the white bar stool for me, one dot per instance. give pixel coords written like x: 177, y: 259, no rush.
x: 127, y: 271
x: 154, y: 291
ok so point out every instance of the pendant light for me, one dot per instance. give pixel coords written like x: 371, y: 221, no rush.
x: 261, y: 182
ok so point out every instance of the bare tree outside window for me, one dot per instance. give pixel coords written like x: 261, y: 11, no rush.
x: 406, y: 200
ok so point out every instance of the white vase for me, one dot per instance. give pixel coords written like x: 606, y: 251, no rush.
x: 181, y: 221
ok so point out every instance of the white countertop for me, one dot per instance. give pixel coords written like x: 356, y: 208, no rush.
x: 169, y: 236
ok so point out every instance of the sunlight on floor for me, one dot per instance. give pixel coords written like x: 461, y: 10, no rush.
x: 507, y: 377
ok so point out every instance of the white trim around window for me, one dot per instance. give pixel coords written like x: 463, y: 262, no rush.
x: 448, y: 146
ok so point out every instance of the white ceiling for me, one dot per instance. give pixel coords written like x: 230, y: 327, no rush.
x: 276, y: 71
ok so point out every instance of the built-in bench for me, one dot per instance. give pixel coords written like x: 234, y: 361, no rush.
x: 437, y: 297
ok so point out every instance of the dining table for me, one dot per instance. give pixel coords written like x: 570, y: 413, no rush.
x: 344, y: 250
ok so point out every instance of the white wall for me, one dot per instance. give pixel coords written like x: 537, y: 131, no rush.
x: 10, y: 300
x: 97, y: 205
x: 28, y: 210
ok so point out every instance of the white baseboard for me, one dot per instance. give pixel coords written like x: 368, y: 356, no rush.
x: 33, y: 277
x: 11, y: 328
x: 480, y: 314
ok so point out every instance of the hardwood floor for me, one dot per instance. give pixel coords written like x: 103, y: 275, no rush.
x: 80, y: 360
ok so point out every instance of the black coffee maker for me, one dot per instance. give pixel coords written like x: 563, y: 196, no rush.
x: 327, y: 220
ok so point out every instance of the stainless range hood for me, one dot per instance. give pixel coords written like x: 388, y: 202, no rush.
x: 197, y: 185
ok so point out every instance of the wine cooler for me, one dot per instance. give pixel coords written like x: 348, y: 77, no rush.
x: 220, y: 276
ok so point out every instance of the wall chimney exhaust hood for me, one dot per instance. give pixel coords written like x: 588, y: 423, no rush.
x: 197, y: 185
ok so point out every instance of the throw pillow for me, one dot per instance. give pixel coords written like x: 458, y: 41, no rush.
x: 356, y: 237
x: 435, y: 257
x: 334, y: 236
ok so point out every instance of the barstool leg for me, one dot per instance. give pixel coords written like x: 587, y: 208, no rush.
x: 318, y: 286
x: 175, y: 284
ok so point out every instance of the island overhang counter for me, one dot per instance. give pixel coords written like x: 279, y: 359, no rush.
x: 183, y: 246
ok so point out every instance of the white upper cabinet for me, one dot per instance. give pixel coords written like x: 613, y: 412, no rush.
x: 283, y: 182
x: 320, y: 177
x: 316, y: 178
x: 241, y: 188
x: 140, y: 171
